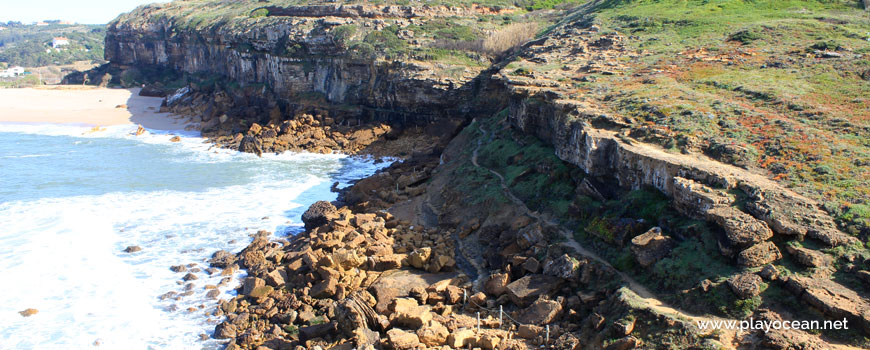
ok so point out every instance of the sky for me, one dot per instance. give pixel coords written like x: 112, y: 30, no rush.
x: 81, y: 11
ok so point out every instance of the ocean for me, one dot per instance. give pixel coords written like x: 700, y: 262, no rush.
x: 71, y: 202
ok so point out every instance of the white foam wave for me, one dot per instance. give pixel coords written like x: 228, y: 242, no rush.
x: 64, y: 258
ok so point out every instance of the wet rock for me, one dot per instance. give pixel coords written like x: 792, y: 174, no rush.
x: 526, y: 290
x: 213, y: 294
x: 745, y: 285
x: 251, y: 144
x: 175, y: 139
x: 190, y: 277
x: 28, y: 312
x: 178, y: 268
x: 760, y: 254
x: 317, y: 213
x: 225, y: 330
x: 222, y: 259
x: 252, y: 283
x: 651, y: 247
x: 133, y: 249
x: 541, y: 312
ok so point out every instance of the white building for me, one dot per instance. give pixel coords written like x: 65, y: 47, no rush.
x: 58, y: 42
x: 12, y: 72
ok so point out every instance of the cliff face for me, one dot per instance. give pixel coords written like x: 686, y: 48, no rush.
x: 298, y: 54
x: 307, y: 60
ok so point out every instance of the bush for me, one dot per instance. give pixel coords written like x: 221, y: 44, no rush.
x: 341, y: 35
x: 744, y: 36
x: 386, y: 41
x: 260, y: 12
x: 363, y: 50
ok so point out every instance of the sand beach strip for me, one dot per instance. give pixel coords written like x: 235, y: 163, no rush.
x: 83, y: 105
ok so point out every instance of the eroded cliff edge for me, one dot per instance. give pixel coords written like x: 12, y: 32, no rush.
x: 294, y: 67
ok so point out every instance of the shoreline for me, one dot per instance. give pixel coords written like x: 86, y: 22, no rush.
x: 87, y: 106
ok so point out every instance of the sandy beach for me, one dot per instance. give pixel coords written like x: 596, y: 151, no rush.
x: 85, y: 105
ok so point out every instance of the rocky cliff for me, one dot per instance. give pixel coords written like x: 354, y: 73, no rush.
x: 303, y: 55
x: 561, y: 188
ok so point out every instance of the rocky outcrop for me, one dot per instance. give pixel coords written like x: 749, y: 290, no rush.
x: 832, y: 299
x: 293, y: 62
x: 651, y: 247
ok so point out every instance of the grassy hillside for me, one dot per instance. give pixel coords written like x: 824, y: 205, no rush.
x: 30, y: 45
x: 781, y: 87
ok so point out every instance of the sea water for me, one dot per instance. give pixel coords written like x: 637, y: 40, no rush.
x: 71, y: 201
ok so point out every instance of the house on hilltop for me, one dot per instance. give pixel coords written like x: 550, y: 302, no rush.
x: 12, y: 72
x: 58, y: 42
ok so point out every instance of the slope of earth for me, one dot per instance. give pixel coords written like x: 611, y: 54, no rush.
x: 776, y: 87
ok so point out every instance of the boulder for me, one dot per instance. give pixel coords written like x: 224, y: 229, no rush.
x: 277, y: 278
x: 529, y: 331
x: 406, y: 312
x: 526, y: 290
x: 832, y: 299
x: 402, y: 340
x: 651, y: 247
x: 222, y: 259
x: 252, y: 283
x: 28, y: 312
x: 132, y: 249
x: 433, y: 334
x: 394, y: 284
x: 542, y: 311
x: 420, y: 257
x: 758, y: 255
x: 741, y: 229
x: 318, y: 330
x: 317, y: 213
x: 625, y: 343
x: 745, y: 285
x: 225, y: 330
x: 489, y: 342
x: 529, y: 235
x: 325, y: 289
x: 461, y: 338
x: 808, y: 257
x: 497, y: 284
x: 563, y: 267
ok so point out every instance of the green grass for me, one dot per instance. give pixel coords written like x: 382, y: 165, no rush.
x: 757, y: 85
